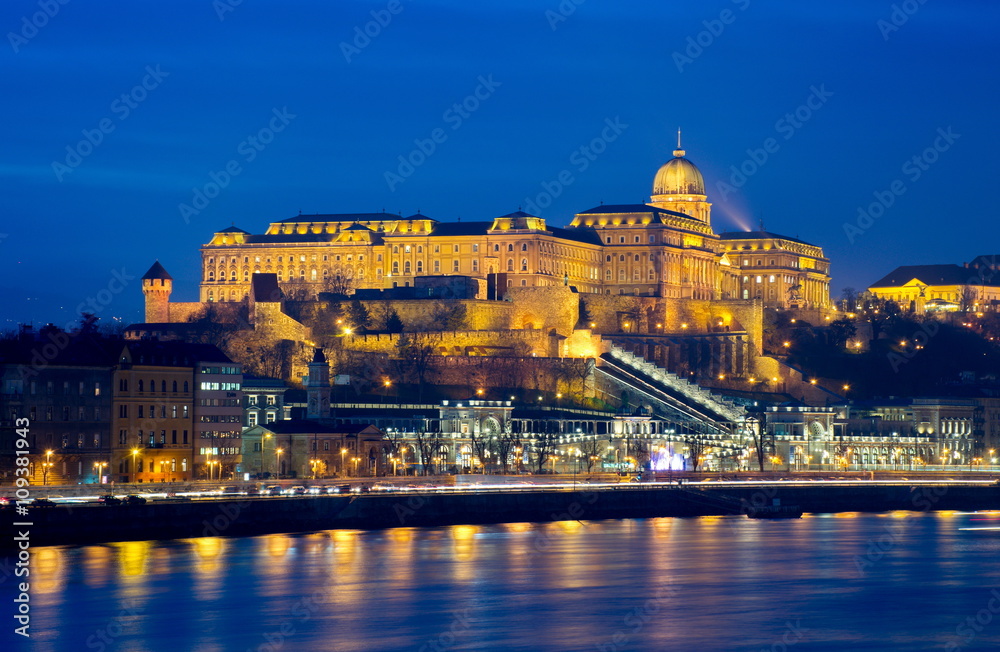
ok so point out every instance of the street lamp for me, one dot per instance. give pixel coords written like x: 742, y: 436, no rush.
x: 343, y: 451
x: 315, y: 466
x: 277, y: 461
x: 46, y: 466
x: 135, y: 452
x: 100, y: 470
x: 385, y: 393
x: 356, y: 460
x: 402, y: 458
x: 262, y: 442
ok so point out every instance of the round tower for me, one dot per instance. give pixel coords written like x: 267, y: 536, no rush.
x: 157, y: 285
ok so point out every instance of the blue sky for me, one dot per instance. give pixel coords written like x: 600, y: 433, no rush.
x: 72, y: 228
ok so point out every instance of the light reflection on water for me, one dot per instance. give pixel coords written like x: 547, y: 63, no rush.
x: 719, y: 583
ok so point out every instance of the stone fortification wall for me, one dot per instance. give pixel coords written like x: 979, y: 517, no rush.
x: 497, y: 342
x: 544, y: 308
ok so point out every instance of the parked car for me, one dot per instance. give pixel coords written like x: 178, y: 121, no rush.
x: 108, y: 499
x: 339, y: 489
x: 132, y: 499
x: 272, y: 490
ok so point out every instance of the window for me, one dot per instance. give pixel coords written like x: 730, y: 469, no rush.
x: 652, y: 239
x: 185, y: 386
x: 621, y: 240
x: 140, y: 384
x: 475, y: 248
x: 510, y: 264
x: 395, y: 267
x: 454, y: 249
x: 406, y: 249
x: 406, y: 267
x: 637, y: 239
x: 140, y: 411
x: 524, y: 264
x: 475, y: 264
x: 524, y: 246
x: 608, y: 240
x: 252, y: 419
x: 174, y: 387
x: 496, y: 248
x: 607, y: 258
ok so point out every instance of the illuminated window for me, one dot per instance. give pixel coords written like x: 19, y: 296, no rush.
x: 454, y: 266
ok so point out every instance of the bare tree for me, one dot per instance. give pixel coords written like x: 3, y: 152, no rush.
x: 414, y: 361
x: 592, y: 448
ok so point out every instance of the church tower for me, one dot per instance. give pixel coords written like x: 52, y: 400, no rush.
x: 318, y: 387
x: 679, y: 187
x: 157, y: 285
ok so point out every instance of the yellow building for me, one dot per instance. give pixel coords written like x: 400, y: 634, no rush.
x: 664, y: 248
x: 946, y: 288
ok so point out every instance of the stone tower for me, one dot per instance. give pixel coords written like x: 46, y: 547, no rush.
x: 157, y: 285
x: 318, y: 387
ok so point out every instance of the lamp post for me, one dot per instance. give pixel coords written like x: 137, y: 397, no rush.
x: 135, y: 469
x: 385, y: 393
x: 46, y: 466
x: 402, y: 458
x: 343, y: 469
x: 277, y: 461
x: 262, y: 442
x: 100, y: 470
x: 356, y: 460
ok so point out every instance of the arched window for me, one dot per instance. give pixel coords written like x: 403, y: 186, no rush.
x: 406, y: 249
x: 211, y: 296
x: 607, y: 258
x: 312, y: 275
x: 395, y: 267
x: 510, y: 247
x: 395, y: 249
x: 524, y: 246
x: 420, y: 249
x: 420, y: 266
x: 621, y: 275
x: 174, y: 388
x: 621, y: 258
x: 607, y: 275
x: 185, y: 386
x: 163, y: 386
x: 510, y: 264
x: 406, y: 267
x: 524, y: 264
x: 140, y: 384
x: 211, y: 276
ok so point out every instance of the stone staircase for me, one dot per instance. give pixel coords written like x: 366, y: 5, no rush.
x: 695, y: 394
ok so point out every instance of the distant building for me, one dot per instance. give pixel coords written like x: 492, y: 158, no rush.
x: 300, y: 448
x: 942, y: 288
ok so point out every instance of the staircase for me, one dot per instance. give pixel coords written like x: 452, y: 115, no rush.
x: 699, y: 401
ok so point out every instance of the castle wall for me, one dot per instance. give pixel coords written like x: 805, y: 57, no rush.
x: 545, y: 308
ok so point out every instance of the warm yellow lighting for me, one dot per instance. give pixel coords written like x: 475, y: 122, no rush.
x: 812, y: 381
x: 684, y: 325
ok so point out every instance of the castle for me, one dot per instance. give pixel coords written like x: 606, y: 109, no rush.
x: 656, y: 267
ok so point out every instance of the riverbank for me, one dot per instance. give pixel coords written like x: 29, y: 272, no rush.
x: 247, y: 516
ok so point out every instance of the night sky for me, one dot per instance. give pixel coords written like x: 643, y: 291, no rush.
x: 174, y: 92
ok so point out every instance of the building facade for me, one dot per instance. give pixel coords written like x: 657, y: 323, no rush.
x: 664, y: 248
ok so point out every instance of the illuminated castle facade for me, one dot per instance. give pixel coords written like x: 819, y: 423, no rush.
x: 664, y: 248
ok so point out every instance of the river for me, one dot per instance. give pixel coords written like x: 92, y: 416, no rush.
x: 899, y: 581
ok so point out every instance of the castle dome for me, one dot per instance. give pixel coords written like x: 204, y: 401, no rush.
x: 678, y: 176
